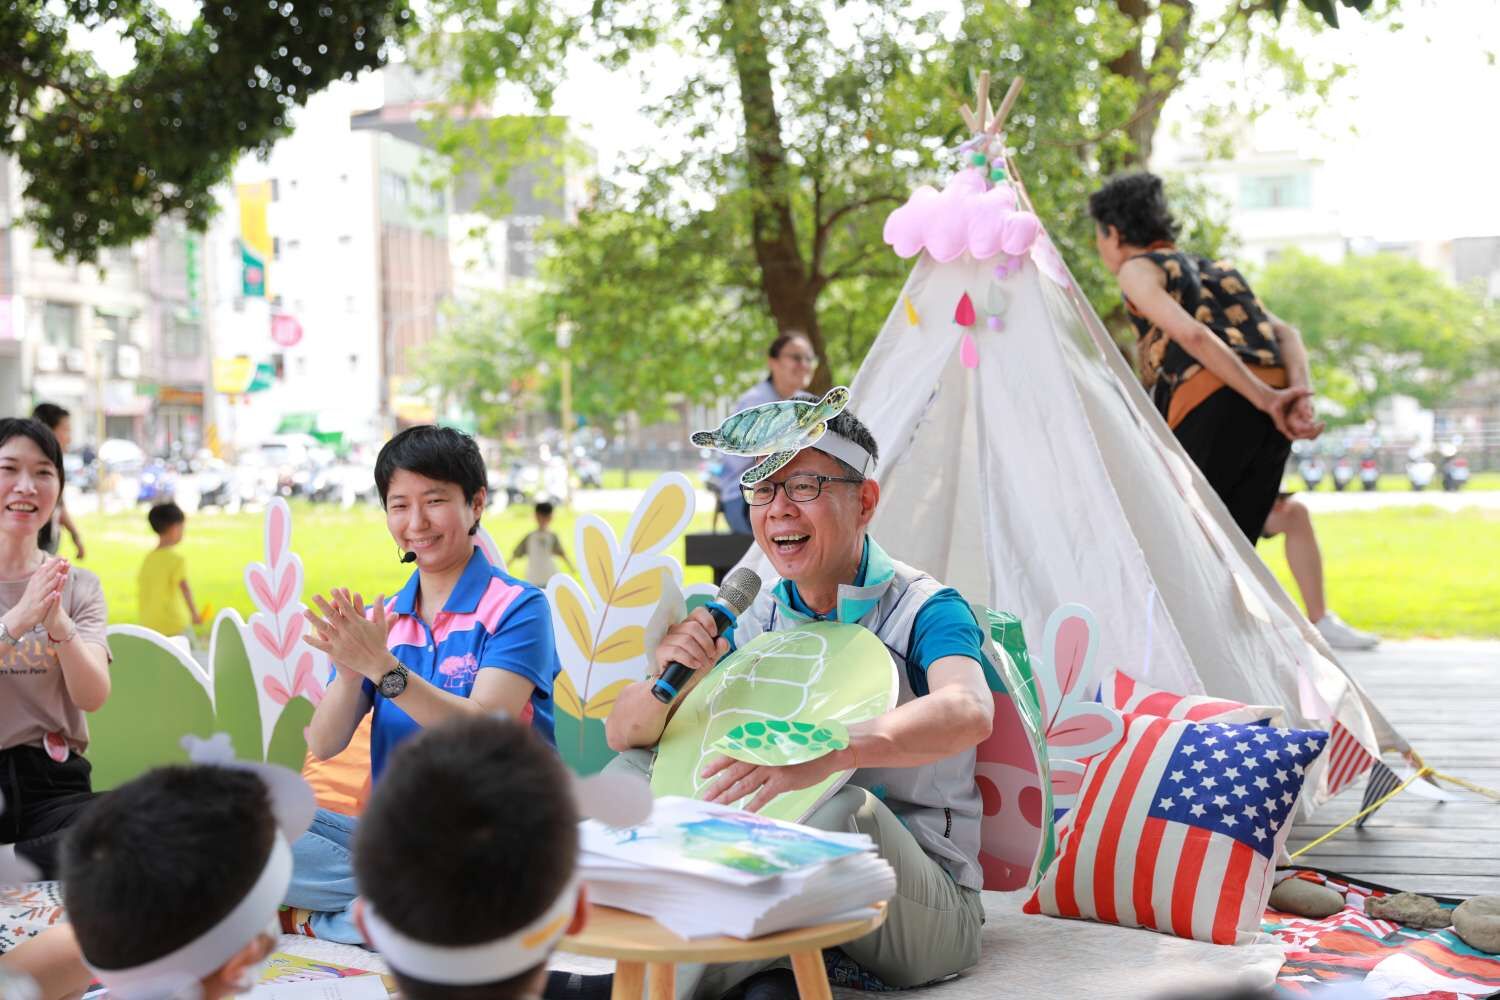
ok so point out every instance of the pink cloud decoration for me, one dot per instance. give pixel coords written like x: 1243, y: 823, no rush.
x: 966, y: 215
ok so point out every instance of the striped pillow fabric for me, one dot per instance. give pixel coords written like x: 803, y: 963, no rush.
x: 1125, y: 694
x: 1177, y: 828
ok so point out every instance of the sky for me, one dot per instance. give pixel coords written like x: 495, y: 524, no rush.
x: 1410, y: 139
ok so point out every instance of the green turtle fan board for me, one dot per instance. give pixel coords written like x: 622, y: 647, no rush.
x: 776, y: 430
x: 785, y: 697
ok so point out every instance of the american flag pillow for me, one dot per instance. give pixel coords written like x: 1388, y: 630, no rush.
x: 1176, y: 829
x: 1124, y: 693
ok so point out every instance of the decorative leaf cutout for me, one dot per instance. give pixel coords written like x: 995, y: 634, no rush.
x: 1070, y: 652
x: 654, y: 527
x: 624, y: 644
x: 598, y: 561
x: 565, y: 696
x: 602, y: 703
x: 1083, y: 730
x: 259, y: 587
x: 575, y: 618
x: 640, y: 590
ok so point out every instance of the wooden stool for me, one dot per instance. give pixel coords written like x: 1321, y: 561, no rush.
x: 638, y: 943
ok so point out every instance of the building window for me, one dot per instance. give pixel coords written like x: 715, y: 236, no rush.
x: 1276, y: 191
x: 60, y: 325
x: 184, y: 339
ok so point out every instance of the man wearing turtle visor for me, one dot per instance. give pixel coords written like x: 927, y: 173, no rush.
x: 913, y: 787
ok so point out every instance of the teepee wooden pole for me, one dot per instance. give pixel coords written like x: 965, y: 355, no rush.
x: 995, y: 125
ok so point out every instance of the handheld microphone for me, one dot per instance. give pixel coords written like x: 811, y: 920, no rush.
x: 409, y: 557
x: 736, y: 593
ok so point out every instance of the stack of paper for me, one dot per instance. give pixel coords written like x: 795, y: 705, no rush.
x: 703, y: 870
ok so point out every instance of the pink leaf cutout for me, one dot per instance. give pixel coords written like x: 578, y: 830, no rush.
x: 265, y: 637
x: 1066, y: 782
x: 276, y: 690
x: 261, y: 588
x: 1070, y: 652
x: 288, y: 585
x: 964, y: 315
x: 304, y: 683
x: 276, y: 533
x: 968, y: 351
x: 289, y: 636
x: 1079, y: 729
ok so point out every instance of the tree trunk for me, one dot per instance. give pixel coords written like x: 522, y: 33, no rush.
x: 784, y: 274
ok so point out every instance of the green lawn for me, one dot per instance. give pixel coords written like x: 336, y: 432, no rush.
x: 338, y: 548
x: 1406, y: 572
x: 1399, y: 572
x: 1390, y: 483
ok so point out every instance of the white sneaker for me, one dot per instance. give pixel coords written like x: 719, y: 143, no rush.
x: 1341, y: 635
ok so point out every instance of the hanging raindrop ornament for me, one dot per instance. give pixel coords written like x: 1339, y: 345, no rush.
x: 964, y: 315
x: 968, y: 352
x: 911, y: 311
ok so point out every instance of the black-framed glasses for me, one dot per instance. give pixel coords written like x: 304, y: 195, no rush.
x: 804, y: 487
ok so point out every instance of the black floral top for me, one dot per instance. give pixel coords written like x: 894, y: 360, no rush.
x: 1218, y: 296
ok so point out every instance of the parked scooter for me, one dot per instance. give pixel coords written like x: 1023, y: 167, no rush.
x: 1369, y: 472
x: 1343, y: 472
x: 1419, y: 469
x: 1311, y: 471
x: 1455, y: 469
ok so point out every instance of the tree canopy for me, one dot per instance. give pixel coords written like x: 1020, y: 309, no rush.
x: 105, y: 157
x: 803, y: 125
x: 1382, y: 324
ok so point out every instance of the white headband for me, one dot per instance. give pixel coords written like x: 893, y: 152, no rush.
x: 471, y: 965
x: 618, y: 800
x: 846, y: 451
x: 173, y: 973
x: 293, y: 804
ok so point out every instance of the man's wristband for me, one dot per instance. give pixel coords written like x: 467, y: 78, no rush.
x: 67, y: 638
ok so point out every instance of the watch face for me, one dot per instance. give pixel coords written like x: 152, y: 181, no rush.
x: 393, y: 683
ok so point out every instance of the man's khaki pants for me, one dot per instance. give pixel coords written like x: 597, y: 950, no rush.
x: 931, y: 928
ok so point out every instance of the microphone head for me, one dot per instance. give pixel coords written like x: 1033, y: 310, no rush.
x: 739, y: 590
x: 409, y: 557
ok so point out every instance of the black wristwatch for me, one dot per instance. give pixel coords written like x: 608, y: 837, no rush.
x: 394, y: 682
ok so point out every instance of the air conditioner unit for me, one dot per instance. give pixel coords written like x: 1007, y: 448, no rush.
x: 47, y: 358
x: 74, y: 359
x: 127, y: 361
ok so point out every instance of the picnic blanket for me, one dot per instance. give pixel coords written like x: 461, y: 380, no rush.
x: 1390, y: 960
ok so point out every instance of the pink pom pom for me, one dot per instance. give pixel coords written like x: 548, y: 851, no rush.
x: 995, y: 323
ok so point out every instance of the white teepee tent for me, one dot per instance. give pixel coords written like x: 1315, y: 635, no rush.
x: 1026, y: 467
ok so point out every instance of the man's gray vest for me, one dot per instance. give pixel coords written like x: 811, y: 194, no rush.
x: 939, y: 803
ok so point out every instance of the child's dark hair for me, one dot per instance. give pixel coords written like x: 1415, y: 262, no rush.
x: 163, y: 516
x: 440, y: 453
x: 544, y: 509
x: 161, y: 859
x: 49, y: 414
x: 487, y: 807
x: 1136, y: 205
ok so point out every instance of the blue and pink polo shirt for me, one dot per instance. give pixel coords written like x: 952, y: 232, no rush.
x: 492, y: 621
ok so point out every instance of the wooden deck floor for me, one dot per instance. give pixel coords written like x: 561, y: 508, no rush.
x: 1444, y: 697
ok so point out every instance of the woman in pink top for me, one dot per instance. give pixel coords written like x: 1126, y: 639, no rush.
x: 54, y: 663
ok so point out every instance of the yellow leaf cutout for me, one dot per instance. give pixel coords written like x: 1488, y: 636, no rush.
x: 601, y: 704
x: 575, y: 618
x: 599, y: 561
x: 627, y: 643
x: 658, y: 520
x: 911, y: 311
x: 640, y: 590
x: 565, y: 696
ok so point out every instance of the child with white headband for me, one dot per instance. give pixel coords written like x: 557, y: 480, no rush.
x: 466, y: 859
x: 172, y: 881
